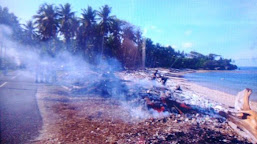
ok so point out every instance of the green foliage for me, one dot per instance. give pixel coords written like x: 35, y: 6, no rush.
x: 160, y: 56
x: 9, y: 19
x: 87, y: 32
x: 95, y: 33
x: 29, y: 35
x: 46, y: 20
x: 68, y: 22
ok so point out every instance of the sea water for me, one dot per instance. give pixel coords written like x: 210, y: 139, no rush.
x: 228, y: 81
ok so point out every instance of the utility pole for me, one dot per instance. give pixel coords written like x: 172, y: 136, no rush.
x: 143, y: 53
x: 1, y: 55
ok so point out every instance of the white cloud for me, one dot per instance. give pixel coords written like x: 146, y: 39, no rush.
x: 155, y: 29
x: 187, y: 45
x: 151, y: 28
x: 174, y: 46
x: 188, y: 32
x: 145, y: 31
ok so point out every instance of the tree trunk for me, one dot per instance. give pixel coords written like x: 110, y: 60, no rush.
x: 102, y: 52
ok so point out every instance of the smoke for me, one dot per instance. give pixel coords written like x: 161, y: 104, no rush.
x: 5, y: 32
x: 77, y: 75
x: 32, y: 58
x: 14, y: 54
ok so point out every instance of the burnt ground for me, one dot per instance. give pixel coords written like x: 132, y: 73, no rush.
x: 20, y: 120
x: 94, y: 119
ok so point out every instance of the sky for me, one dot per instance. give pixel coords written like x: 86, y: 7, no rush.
x: 223, y: 27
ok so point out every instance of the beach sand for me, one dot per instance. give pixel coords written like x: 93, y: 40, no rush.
x: 208, y: 93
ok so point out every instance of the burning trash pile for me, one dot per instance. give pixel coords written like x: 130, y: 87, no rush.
x: 138, y: 107
x: 147, y: 92
x: 161, y: 96
x: 152, y: 98
x: 106, y: 85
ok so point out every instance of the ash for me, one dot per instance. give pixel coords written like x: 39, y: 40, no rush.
x: 139, y: 107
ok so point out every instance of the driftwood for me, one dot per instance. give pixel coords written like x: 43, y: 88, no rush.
x: 244, y: 118
x: 242, y: 100
x: 241, y: 126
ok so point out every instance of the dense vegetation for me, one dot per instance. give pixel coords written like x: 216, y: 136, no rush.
x: 98, y: 33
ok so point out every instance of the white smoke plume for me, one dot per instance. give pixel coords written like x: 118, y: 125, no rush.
x: 78, y: 75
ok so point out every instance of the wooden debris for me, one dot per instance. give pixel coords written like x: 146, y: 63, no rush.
x: 178, y: 88
x: 244, y: 118
x: 159, y: 77
x: 241, y: 126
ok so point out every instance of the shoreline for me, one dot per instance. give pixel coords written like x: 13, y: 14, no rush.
x: 208, y: 93
x: 227, y: 87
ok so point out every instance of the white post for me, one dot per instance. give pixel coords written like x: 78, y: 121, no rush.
x: 1, y: 54
x: 143, y: 53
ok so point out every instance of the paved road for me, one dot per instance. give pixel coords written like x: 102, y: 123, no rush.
x: 20, y: 120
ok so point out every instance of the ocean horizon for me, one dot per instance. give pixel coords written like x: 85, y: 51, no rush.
x: 230, y: 82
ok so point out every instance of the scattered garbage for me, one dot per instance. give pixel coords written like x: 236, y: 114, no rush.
x: 184, y: 116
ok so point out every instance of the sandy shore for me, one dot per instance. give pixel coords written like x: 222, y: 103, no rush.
x: 208, y: 93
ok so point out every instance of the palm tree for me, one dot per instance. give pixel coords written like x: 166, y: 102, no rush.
x: 47, y: 21
x: 105, y: 23
x: 139, y: 42
x: 88, y: 17
x: 68, y: 22
x: 11, y: 20
x: 212, y: 56
x: 86, y: 35
x: 114, y: 39
x: 4, y: 15
x: 29, y: 30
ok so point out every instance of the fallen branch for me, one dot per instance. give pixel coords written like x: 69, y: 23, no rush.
x: 240, y: 126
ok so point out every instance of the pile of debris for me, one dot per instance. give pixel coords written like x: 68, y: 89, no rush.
x: 104, y: 84
x: 95, y: 119
x: 156, y: 97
